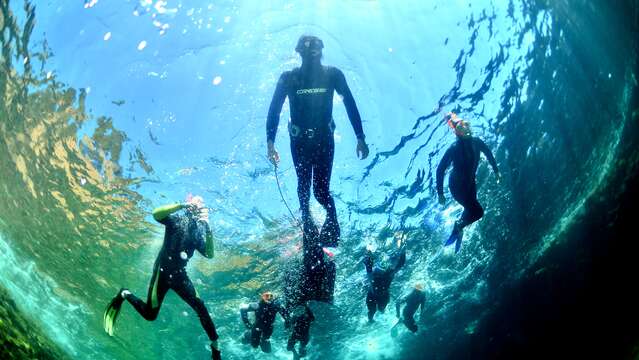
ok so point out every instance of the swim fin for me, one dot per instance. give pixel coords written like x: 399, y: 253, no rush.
x: 112, y: 311
x: 455, y: 238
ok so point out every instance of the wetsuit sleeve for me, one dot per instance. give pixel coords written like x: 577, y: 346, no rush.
x: 161, y: 214
x: 244, y: 309
x: 368, y: 262
x: 441, y: 170
x: 282, y: 310
x: 273, y: 119
x: 349, y: 102
x: 205, y: 240
x: 489, y: 154
x: 311, y: 317
x: 401, y: 260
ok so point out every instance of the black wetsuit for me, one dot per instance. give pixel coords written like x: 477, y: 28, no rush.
x: 380, y: 280
x: 301, y: 320
x: 464, y: 155
x: 265, y: 313
x: 413, y: 301
x: 310, y: 94
x: 183, y: 235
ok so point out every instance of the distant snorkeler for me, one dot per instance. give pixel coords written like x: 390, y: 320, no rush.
x: 380, y: 273
x: 184, y: 234
x: 464, y: 155
x: 301, y: 319
x: 261, y: 330
x: 414, y: 300
x: 310, y: 90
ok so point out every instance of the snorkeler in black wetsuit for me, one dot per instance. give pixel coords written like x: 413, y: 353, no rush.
x: 413, y: 301
x: 265, y: 310
x: 310, y: 90
x: 380, y: 275
x: 301, y: 318
x: 184, y: 234
x: 464, y: 155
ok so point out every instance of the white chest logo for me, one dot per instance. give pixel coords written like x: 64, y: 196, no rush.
x: 311, y: 91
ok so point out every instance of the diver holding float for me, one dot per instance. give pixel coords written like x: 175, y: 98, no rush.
x: 464, y: 156
x: 185, y: 233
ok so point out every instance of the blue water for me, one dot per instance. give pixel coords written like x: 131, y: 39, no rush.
x: 182, y: 90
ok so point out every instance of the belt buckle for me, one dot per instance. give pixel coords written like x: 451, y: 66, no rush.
x: 310, y: 133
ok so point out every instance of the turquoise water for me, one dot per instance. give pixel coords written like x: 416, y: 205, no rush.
x: 111, y: 108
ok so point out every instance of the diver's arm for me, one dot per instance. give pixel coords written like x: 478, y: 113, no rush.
x: 207, y: 247
x: 401, y: 260
x: 441, y: 170
x: 489, y: 155
x: 311, y: 317
x: 349, y: 102
x: 162, y: 212
x: 275, y: 108
x: 244, y: 309
x: 284, y: 312
x: 368, y: 262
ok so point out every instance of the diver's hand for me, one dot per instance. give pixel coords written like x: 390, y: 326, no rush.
x: 362, y: 149
x: 442, y: 199
x: 272, y: 154
x: 498, y: 177
x: 203, y: 214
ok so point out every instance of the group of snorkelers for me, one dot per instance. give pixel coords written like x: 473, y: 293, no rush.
x: 310, y: 89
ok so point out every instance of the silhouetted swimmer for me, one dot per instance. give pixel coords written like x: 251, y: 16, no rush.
x: 310, y: 90
x: 380, y: 273
x: 464, y: 155
x: 184, y: 233
x: 301, y: 318
x: 414, y: 300
x: 265, y: 311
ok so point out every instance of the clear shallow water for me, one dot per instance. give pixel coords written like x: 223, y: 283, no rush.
x: 130, y: 111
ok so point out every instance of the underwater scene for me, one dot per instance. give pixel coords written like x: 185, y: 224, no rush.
x: 319, y: 179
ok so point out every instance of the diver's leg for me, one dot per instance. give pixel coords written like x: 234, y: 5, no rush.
x: 371, y: 304
x: 290, y: 346
x: 473, y: 210
x: 157, y: 290
x: 304, y: 338
x: 410, y: 324
x: 382, y: 301
x: 184, y: 288
x: 303, y: 169
x: 255, y: 336
x: 265, y: 344
x: 322, y: 170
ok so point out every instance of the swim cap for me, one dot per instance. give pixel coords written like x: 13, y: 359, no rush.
x: 419, y: 286
x: 308, y: 42
x: 460, y: 126
x: 268, y: 296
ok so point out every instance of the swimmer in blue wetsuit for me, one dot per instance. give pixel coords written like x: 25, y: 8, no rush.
x: 464, y: 156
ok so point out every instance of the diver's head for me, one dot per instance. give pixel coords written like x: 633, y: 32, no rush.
x: 267, y: 297
x: 195, y: 204
x: 309, y: 47
x: 419, y: 286
x: 383, y: 264
x: 460, y: 127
